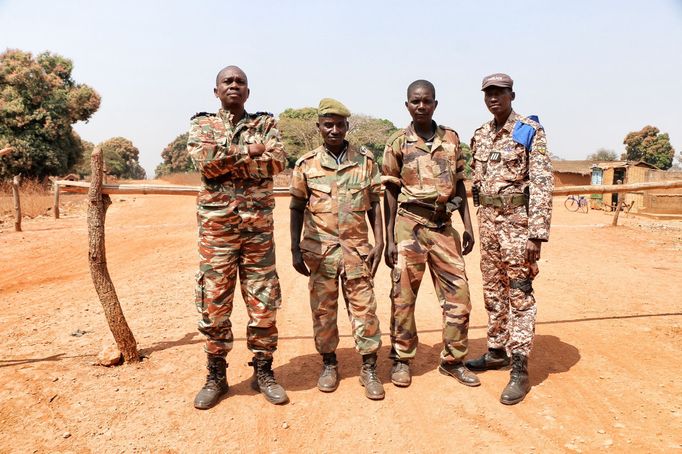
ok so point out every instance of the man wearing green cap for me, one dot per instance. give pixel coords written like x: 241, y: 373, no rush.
x: 333, y: 188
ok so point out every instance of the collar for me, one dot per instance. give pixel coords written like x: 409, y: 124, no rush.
x: 228, y: 117
x: 508, y: 125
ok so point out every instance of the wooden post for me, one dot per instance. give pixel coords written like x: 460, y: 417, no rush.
x: 55, y: 204
x: 97, y: 209
x: 16, y: 181
x: 619, y: 206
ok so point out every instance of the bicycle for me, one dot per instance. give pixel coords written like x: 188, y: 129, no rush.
x: 577, y: 203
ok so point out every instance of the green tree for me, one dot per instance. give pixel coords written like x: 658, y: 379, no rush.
x: 83, y: 166
x: 603, y: 155
x: 466, y: 151
x: 299, y: 133
x: 651, y: 146
x: 370, y: 132
x: 175, y: 157
x: 121, y: 158
x: 39, y: 103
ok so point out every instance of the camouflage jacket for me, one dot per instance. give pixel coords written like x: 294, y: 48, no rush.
x: 232, y: 180
x: 502, y: 165
x: 424, y: 174
x: 338, y: 197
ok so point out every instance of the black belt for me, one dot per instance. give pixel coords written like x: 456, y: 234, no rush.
x: 437, y: 214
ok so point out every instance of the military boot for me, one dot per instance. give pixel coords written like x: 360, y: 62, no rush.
x: 400, y: 374
x: 374, y: 390
x: 263, y: 381
x: 518, y: 385
x: 216, y: 384
x: 329, y: 377
x: 494, y: 358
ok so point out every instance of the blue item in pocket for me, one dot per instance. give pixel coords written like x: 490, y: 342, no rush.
x: 524, y: 133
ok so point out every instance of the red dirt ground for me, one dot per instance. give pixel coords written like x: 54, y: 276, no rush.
x: 604, y: 369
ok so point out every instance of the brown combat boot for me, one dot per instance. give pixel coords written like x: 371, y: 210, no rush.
x: 374, y: 390
x: 329, y: 377
x: 494, y: 358
x: 400, y: 374
x: 518, y: 385
x: 263, y: 381
x: 460, y: 372
x: 216, y: 384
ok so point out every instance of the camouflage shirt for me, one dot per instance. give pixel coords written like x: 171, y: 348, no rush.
x: 232, y: 180
x: 338, y: 197
x: 503, y: 166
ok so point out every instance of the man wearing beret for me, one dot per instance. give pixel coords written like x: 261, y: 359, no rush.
x: 333, y: 188
x: 237, y: 154
x: 513, y: 179
x: 423, y: 172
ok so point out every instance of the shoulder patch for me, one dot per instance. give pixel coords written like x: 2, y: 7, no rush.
x: 395, y: 135
x: 202, y: 114
x: 306, y: 156
x: 363, y: 150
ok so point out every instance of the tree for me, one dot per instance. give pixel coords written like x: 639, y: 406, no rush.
x: 121, y: 158
x: 83, y: 167
x: 39, y: 103
x: 370, y: 132
x: 650, y: 146
x: 603, y: 155
x: 466, y: 152
x: 175, y: 157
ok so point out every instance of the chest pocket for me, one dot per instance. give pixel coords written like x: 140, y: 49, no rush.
x: 320, y: 200
x: 513, y: 163
x: 443, y: 177
x: 359, y: 197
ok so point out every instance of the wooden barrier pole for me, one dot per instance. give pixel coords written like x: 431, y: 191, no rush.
x: 6, y: 150
x: 55, y: 204
x: 97, y: 209
x: 16, y: 181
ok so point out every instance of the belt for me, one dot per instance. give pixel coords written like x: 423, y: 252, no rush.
x: 437, y: 215
x: 503, y: 200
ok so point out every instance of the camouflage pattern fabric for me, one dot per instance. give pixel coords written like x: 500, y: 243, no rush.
x: 234, y: 213
x: 427, y: 173
x: 442, y: 250
x: 335, y: 243
x: 504, y: 231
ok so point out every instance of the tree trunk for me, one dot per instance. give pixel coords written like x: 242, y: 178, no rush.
x: 55, y: 205
x: 619, y: 206
x: 16, y: 181
x: 97, y: 209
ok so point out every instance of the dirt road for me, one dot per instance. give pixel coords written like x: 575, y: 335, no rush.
x: 604, y: 369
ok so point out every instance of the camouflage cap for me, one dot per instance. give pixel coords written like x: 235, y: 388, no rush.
x: 497, y: 80
x: 329, y: 106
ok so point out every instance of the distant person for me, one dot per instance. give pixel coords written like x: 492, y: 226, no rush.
x: 237, y: 154
x: 423, y: 171
x: 333, y: 188
x: 513, y: 179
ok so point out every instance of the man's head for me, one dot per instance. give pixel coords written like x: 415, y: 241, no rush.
x: 332, y: 122
x: 498, y: 94
x: 232, y: 88
x: 421, y: 101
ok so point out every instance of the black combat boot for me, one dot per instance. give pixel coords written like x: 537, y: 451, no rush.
x: 494, y: 358
x: 518, y: 385
x: 329, y: 377
x: 374, y: 390
x: 216, y: 384
x: 264, y: 381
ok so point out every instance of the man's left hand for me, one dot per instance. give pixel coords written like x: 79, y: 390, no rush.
x: 374, y: 258
x: 533, y: 250
x: 467, y: 242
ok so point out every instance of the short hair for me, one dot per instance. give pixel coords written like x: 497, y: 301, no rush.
x: 421, y: 83
x: 237, y: 68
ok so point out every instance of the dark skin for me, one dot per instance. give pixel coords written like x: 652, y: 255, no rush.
x: 421, y: 104
x: 498, y: 100
x: 333, y: 129
x: 232, y: 89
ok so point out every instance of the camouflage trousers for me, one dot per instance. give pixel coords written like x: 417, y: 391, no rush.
x: 441, y: 248
x: 226, y: 253
x: 358, y: 292
x: 507, y: 278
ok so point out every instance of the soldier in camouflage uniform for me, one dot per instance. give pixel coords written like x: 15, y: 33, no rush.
x: 332, y: 188
x: 423, y: 170
x: 513, y: 173
x: 237, y: 154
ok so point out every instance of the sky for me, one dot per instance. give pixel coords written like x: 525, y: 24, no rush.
x: 591, y: 70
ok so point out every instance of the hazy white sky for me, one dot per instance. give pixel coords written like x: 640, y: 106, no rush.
x: 592, y: 70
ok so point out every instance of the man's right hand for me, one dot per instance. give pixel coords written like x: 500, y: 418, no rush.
x: 299, y: 265
x: 391, y: 254
x: 256, y: 149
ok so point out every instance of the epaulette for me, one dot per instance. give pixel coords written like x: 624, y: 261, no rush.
x: 202, y: 114
x: 446, y: 128
x: 363, y: 150
x: 395, y: 135
x: 531, y: 120
x: 305, y: 156
x: 258, y: 114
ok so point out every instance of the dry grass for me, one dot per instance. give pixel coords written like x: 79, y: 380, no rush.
x: 35, y: 198
x: 193, y: 179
